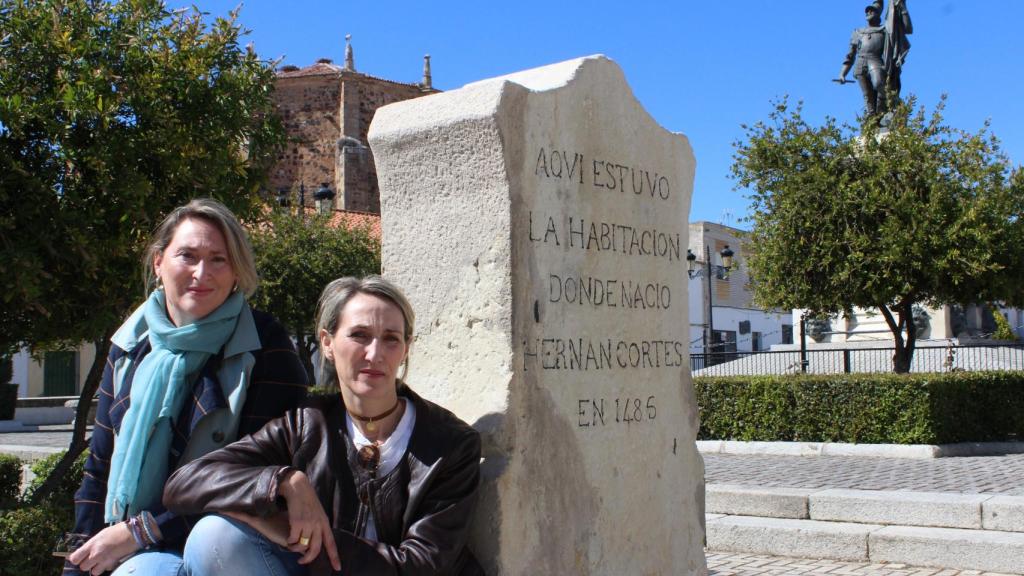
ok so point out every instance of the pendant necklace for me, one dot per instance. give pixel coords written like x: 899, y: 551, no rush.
x: 369, y: 455
x: 371, y: 421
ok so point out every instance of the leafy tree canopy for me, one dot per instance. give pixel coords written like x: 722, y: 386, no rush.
x: 297, y: 256
x: 111, y: 114
x: 845, y: 218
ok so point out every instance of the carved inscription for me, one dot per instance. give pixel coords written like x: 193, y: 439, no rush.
x: 610, y: 292
x: 584, y: 291
x: 594, y: 412
x: 604, y: 236
x: 583, y: 354
x: 604, y: 174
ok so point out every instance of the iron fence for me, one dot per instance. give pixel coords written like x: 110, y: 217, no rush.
x: 837, y: 361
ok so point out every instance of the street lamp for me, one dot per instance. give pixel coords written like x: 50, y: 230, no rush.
x: 324, y: 198
x: 695, y: 271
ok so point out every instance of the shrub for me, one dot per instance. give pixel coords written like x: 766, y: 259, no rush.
x: 27, y: 538
x: 865, y: 408
x: 321, y: 391
x: 10, y: 480
x: 28, y: 534
x: 64, y: 494
x: 1003, y: 329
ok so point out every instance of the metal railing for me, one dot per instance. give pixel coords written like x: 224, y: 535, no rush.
x: 848, y: 360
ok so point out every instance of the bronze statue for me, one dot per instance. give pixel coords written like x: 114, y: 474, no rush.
x: 879, y: 51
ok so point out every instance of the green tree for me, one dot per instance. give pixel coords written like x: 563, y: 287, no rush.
x: 1003, y: 329
x: 111, y: 114
x: 296, y: 257
x: 845, y: 218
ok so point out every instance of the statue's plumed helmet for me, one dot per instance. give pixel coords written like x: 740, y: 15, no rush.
x: 871, y: 8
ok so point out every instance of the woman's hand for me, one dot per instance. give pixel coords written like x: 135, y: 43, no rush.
x: 309, y: 529
x: 104, y: 551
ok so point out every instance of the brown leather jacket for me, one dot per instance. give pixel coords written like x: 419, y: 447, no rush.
x: 422, y: 529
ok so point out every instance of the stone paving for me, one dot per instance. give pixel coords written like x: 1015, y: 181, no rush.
x: 46, y: 437
x: 968, y: 475
x: 729, y: 564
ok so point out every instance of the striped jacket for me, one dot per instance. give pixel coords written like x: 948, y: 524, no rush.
x: 256, y: 378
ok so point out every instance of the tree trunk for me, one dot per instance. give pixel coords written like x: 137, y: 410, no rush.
x: 903, y: 354
x: 78, y: 440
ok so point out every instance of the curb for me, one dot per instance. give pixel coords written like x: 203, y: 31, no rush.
x: 912, y: 451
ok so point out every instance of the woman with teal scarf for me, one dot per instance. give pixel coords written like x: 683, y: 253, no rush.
x: 191, y: 370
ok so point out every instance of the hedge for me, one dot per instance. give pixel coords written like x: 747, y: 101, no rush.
x: 27, y: 538
x: 29, y: 533
x: 864, y: 408
x: 10, y: 480
x: 63, y: 494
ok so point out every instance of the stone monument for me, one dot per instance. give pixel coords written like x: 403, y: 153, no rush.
x: 538, y: 223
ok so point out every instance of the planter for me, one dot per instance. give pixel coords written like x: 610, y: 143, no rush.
x: 8, y: 401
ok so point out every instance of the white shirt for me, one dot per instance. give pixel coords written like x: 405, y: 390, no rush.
x: 391, y: 451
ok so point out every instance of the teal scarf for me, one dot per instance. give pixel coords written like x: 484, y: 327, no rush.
x: 138, y: 468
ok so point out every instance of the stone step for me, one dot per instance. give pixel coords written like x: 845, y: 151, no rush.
x: 936, y: 509
x: 962, y: 549
x: 985, y: 550
x: 902, y: 508
x: 756, y: 501
x: 788, y: 537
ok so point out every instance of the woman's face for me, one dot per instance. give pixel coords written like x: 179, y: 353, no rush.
x: 195, y: 271
x: 368, y: 347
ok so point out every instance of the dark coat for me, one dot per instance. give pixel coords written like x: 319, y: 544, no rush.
x: 422, y: 510
x: 277, y: 382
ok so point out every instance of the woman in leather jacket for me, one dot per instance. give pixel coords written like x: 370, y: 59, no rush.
x: 376, y: 481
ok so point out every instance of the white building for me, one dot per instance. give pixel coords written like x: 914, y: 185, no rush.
x: 964, y: 324
x: 737, y: 325
x: 53, y: 374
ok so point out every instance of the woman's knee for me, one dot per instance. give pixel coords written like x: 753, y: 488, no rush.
x: 215, y: 544
x: 154, y: 563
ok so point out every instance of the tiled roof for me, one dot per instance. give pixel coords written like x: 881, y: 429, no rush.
x: 351, y: 219
x: 318, y: 69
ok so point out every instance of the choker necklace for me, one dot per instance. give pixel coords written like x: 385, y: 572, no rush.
x: 371, y: 421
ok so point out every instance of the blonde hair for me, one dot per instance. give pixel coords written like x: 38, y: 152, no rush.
x: 333, y: 300
x: 236, y: 240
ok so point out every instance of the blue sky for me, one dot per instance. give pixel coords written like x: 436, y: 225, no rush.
x: 700, y: 68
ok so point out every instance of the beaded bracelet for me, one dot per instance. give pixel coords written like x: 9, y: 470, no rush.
x: 133, y: 528
x: 146, y: 519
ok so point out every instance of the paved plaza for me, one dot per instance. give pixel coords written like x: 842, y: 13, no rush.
x: 967, y: 475
x: 730, y: 564
x: 46, y: 437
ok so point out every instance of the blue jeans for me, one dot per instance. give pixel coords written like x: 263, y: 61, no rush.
x: 221, y: 546
x: 151, y: 564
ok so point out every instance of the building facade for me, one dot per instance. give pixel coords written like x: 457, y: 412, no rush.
x: 737, y: 325
x: 327, y: 110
